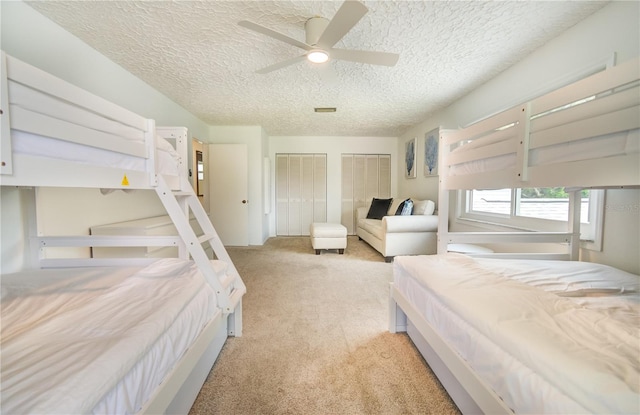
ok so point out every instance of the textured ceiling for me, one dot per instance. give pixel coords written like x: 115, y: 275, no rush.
x: 196, y: 54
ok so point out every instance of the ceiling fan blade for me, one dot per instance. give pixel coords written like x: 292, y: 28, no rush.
x: 365, y: 56
x: 276, y: 35
x: 347, y: 16
x: 282, y: 64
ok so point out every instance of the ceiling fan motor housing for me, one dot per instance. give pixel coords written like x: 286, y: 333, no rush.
x: 314, y: 27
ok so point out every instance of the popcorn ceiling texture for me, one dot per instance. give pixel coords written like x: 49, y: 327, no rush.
x: 195, y: 53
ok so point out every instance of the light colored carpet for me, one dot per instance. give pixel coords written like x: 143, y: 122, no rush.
x: 315, y: 339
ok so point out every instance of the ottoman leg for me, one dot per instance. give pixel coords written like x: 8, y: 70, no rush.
x: 341, y: 251
x: 317, y: 252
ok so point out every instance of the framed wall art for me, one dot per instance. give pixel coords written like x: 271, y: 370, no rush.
x: 431, y: 142
x: 410, y: 158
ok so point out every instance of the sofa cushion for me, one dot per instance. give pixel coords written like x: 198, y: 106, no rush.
x: 374, y: 227
x: 423, y: 207
x: 379, y: 208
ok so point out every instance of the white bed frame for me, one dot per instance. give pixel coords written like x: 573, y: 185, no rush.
x: 82, y: 125
x: 615, y: 109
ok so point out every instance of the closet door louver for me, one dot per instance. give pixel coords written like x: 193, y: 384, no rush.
x: 320, y: 188
x: 301, y: 192
x: 364, y: 176
x: 282, y: 194
x: 348, y: 202
x: 384, y: 175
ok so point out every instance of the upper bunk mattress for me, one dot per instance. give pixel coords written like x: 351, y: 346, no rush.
x: 546, y: 336
x: 42, y: 146
x: 46, y: 126
x: 97, y: 339
x: 609, y: 145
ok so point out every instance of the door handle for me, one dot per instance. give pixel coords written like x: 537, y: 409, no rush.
x: 245, y: 201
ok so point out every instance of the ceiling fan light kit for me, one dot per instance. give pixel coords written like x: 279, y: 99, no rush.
x: 317, y: 56
x: 321, y: 35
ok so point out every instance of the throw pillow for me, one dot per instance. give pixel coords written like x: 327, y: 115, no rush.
x: 408, y: 208
x: 379, y: 208
x: 401, y: 207
x: 423, y: 207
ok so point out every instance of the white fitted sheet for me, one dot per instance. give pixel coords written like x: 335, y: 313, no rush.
x: 97, y: 339
x: 539, y: 351
x: 41, y: 146
x: 610, y: 145
x: 28, y: 99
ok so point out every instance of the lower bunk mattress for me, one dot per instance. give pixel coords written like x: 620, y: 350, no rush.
x: 97, y: 340
x: 546, y: 336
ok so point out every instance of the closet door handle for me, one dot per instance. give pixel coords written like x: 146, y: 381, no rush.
x: 245, y: 201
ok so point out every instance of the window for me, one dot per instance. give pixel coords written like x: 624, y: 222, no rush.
x: 540, y: 209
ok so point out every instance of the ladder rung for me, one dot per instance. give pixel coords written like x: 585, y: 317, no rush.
x: 182, y: 193
x: 234, y: 299
x: 219, y: 268
x: 205, y: 238
x: 226, y: 280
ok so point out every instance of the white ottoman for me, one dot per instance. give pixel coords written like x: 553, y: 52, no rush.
x: 328, y: 236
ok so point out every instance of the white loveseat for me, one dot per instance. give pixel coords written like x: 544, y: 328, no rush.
x: 414, y: 234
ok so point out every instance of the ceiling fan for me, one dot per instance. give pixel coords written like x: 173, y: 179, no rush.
x: 321, y: 35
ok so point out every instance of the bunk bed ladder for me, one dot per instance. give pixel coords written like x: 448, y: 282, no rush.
x: 224, y: 279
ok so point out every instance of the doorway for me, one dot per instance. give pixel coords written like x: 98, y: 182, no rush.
x: 200, y: 171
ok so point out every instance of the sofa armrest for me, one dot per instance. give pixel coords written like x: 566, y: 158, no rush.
x: 410, y: 223
x: 361, y: 213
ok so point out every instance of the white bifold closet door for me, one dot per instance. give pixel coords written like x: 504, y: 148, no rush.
x: 301, y: 192
x: 364, y: 176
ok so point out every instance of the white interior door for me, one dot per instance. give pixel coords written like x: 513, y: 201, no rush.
x: 228, y: 184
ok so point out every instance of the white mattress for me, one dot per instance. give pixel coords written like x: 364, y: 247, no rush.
x: 41, y: 146
x: 97, y: 339
x: 564, y: 345
x: 627, y: 142
x: 28, y: 99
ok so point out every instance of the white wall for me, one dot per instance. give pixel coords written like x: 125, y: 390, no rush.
x: 621, y: 237
x: 614, y: 31
x: 333, y: 147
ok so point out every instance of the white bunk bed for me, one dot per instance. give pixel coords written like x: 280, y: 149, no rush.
x: 499, y: 329
x: 56, y: 134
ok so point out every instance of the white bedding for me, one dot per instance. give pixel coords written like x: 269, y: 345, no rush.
x: 23, y: 98
x: 41, y: 146
x: 627, y: 142
x: 540, y: 351
x: 97, y: 339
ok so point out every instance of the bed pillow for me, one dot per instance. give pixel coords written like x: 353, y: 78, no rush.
x: 379, y: 208
x: 423, y: 207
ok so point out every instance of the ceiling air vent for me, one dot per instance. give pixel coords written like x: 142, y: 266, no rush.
x: 325, y: 109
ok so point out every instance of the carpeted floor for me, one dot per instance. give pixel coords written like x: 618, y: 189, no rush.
x: 315, y: 339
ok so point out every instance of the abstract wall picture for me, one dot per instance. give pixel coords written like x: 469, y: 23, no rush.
x: 410, y: 158
x: 431, y: 153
